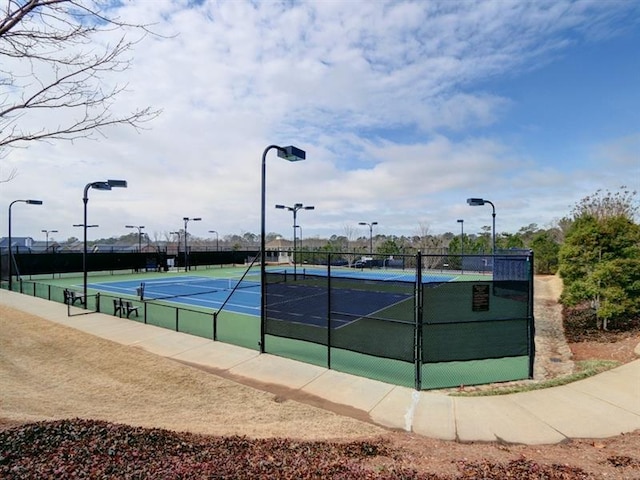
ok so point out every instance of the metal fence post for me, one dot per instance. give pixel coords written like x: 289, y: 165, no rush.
x: 329, y: 311
x: 418, y: 320
x: 532, y: 323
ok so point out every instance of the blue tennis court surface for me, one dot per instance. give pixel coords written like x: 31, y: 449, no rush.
x: 304, y: 304
x: 195, y: 291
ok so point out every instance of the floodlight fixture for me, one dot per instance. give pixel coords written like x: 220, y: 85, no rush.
x: 291, y: 153
x: 117, y: 183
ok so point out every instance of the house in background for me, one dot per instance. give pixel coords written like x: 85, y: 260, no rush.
x: 279, y: 251
x: 20, y: 245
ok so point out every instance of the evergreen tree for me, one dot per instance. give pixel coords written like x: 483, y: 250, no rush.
x: 600, y: 258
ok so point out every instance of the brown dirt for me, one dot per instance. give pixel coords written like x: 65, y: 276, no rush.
x: 48, y: 372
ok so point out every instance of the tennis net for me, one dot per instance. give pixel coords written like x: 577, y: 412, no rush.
x: 192, y: 286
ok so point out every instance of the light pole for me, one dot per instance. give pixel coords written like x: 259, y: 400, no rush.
x: 29, y: 202
x: 139, y: 227
x: 461, y: 222
x: 370, y: 234
x: 291, y: 154
x: 299, y: 227
x: 178, y: 246
x: 475, y: 202
x: 217, y: 240
x: 47, y: 232
x: 105, y: 185
x: 186, y: 220
x: 294, y: 209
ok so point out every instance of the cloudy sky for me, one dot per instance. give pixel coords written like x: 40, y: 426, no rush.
x: 405, y: 109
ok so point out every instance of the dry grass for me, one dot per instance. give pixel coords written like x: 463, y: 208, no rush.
x: 49, y: 371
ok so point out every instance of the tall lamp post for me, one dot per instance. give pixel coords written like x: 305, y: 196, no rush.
x: 139, y: 227
x: 217, y: 240
x: 291, y: 154
x: 29, y: 202
x: 178, y: 233
x: 294, y: 209
x: 461, y: 222
x: 104, y: 185
x: 47, y: 232
x: 186, y: 257
x: 370, y: 234
x: 475, y: 202
x: 299, y: 227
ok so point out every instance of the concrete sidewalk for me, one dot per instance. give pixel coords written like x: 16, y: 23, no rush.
x: 601, y: 406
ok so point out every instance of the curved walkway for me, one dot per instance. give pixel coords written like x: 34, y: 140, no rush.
x: 605, y: 405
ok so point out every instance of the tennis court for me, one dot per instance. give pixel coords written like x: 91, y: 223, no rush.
x: 302, y: 300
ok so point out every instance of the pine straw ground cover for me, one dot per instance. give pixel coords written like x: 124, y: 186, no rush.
x: 93, y: 449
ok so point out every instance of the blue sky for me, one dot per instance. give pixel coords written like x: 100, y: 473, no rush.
x: 405, y: 110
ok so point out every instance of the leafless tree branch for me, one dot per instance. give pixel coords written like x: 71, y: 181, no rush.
x: 50, y: 61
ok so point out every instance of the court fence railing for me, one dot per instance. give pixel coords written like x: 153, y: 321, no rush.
x: 228, y: 327
x: 421, y: 321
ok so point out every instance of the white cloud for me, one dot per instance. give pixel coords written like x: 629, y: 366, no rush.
x: 390, y: 99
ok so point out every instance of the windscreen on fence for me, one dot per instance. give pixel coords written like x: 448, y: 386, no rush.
x: 66, y: 262
x: 373, y: 317
x: 479, y: 319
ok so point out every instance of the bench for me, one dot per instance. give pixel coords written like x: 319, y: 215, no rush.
x: 124, y: 306
x: 71, y: 297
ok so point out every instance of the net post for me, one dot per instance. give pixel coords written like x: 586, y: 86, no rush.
x: 215, y: 326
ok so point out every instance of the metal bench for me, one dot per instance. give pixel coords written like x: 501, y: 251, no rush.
x: 121, y: 306
x: 71, y: 297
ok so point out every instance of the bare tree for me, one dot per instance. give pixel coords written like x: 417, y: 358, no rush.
x: 605, y: 204
x: 422, y: 232
x: 349, y: 232
x: 53, y: 67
